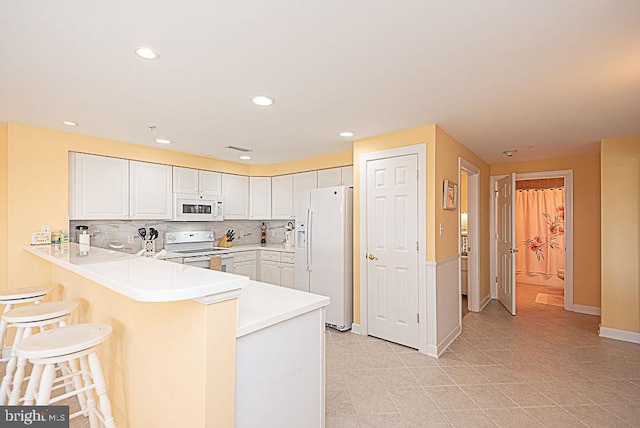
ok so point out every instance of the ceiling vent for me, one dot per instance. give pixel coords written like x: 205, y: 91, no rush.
x: 239, y: 149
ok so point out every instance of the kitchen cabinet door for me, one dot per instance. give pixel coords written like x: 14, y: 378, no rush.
x: 245, y: 268
x: 305, y: 181
x: 287, y: 275
x: 260, y: 198
x: 347, y: 176
x: 282, y: 197
x: 235, y: 195
x: 210, y: 183
x: 150, y: 191
x: 270, y: 272
x: 329, y: 177
x: 98, y: 187
x: 185, y: 180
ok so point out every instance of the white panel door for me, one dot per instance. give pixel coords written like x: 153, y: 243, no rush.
x: 392, y: 253
x: 98, y: 187
x: 506, y: 230
x: 347, y: 176
x: 331, y: 177
x: 235, y: 195
x: 282, y: 197
x: 185, y: 180
x: 209, y: 183
x: 305, y: 181
x: 260, y: 198
x: 150, y: 191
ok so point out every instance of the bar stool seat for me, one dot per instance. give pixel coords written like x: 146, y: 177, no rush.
x: 25, y: 319
x: 17, y: 296
x: 69, y: 344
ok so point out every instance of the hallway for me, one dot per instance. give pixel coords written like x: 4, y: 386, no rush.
x: 543, y: 367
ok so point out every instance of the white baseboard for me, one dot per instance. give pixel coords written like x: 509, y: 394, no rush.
x: 485, y: 301
x: 589, y: 310
x: 355, y: 328
x: 614, y: 333
x: 436, y: 351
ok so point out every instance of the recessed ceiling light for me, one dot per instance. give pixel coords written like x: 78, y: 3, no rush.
x: 161, y: 141
x: 347, y: 134
x: 146, y: 53
x: 510, y: 153
x: 70, y: 123
x: 262, y: 100
x: 245, y: 157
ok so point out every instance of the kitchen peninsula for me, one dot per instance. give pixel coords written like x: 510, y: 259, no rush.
x: 175, y: 359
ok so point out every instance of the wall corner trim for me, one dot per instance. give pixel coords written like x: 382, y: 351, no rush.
x: 355, y: 327
x: 624, y: 335
x: 485, y: 301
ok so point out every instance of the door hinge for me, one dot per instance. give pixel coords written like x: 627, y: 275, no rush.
x: 496, y: 193
x: 496, y: 279
x: 417, y: 246
x: 418, y: 318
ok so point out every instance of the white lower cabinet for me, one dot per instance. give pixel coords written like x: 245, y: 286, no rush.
x: 244, y: 263
x: 277, y: 268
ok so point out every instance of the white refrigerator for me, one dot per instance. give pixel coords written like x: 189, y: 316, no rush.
x: 324, y: 249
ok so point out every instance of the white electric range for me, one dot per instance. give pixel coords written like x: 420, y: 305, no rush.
x: 195, y: 248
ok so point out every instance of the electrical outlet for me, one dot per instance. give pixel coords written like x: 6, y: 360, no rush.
x: 130, y: 239
x: 441, y: 229
x: 240, y: 234
x: 273, y: 233
x: 45, y: 229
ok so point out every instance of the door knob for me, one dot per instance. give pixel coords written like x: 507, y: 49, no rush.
x: 372, y: 257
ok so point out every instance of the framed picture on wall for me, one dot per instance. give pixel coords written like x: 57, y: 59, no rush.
x: 450, y: 195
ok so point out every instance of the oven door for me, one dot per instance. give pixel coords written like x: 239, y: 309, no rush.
x: 198, y: 261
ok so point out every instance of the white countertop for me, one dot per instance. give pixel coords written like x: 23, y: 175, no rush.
x: 141, y: 278
x: 262, y: 305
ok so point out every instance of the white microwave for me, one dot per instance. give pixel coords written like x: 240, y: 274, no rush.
x: 187, y: 207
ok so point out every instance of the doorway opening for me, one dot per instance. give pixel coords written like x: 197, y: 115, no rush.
x: 540, y: 261
x: 542, y: 221
x: 469, y: 238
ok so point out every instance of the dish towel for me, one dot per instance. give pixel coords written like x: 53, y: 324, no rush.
x: 215, y: 263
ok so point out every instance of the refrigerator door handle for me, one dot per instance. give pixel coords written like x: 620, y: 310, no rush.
x: 309, y: 239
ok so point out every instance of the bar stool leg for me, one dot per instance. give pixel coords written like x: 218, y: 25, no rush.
x: 9, y: 370
x: 101, y: 390
x: 91, y: 402
x: 46, y: 381
x: 3, y: 326
x: 32, y: 386
x: 77, y: 383
x: 18, y: 377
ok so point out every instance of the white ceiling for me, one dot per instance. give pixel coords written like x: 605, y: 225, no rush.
x: 496, y: 75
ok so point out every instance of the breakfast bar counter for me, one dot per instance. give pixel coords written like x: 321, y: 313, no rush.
x: 191, y: 346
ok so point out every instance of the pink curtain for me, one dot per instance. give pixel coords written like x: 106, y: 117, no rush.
x: 540, y: 230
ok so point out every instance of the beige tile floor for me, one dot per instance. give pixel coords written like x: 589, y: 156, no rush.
x: 544, y: 367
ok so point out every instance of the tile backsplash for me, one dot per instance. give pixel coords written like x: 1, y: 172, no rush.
x: 115, y: 232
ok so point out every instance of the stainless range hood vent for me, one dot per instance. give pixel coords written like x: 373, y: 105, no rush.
x: 240, y: 149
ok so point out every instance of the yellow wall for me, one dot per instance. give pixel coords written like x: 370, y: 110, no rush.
x: 330, y: 160
x: 448, y: 151
x: 620, y: 161
x: 586, y: 218
x: 441, y: 163
x: 3, y: 208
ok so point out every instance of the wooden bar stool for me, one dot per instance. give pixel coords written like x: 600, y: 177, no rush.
x: 69, y: 345
x: 16, y: 296
x: 25, y: 319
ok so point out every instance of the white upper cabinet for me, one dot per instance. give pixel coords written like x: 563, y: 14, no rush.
x: 194, y: 181
x: 210, y: 183
x: 329, y: 177
x: 260, y: 198
x: 235, y: 195
x: 150, y: 191
x: 98, y: 187
x: 305, y: 181
x: 347, y: 176
x: 185, y: 180
x: 282, y: 197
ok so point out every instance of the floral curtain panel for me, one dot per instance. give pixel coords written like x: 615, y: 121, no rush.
x: 540, y: 230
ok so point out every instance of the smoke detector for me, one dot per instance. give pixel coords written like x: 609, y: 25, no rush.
x: 510, y: 153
